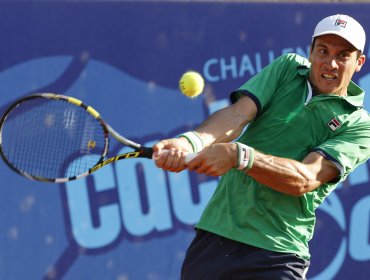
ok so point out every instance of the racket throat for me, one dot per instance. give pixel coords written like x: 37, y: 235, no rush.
x: 142, y: 152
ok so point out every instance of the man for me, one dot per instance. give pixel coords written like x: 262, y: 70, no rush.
x: 307, y: 131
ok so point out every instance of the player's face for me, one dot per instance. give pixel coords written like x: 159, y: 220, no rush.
x: 333, y: 63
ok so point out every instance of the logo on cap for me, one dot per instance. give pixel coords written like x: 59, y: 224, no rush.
x: 341, y: 22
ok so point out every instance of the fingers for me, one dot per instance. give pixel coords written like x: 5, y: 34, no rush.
x: 207, y: 170
x: 213, y: 160
x: 157, y: 148
x: 172, y: 160
x: 169, y: 154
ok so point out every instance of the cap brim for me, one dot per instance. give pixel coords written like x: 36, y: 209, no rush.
x: 340, y: 34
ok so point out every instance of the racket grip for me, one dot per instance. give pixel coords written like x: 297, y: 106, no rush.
x: 188, y: 157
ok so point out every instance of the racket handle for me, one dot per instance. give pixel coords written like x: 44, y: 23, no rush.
x: 188, y: 157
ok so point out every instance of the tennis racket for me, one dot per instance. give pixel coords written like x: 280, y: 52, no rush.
x: 55, y: 138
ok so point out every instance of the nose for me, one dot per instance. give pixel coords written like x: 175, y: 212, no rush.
x: 332, y: 63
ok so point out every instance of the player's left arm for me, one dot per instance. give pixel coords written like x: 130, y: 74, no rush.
x: 281, y: 174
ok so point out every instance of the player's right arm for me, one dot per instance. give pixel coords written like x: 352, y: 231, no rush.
x: 222, y: 126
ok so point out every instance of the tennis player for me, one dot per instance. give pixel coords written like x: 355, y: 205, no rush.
x: 307, y: 131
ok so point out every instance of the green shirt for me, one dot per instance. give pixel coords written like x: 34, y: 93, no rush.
x: 289, y: 124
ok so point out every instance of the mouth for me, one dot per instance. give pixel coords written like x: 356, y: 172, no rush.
x: 328, y: 77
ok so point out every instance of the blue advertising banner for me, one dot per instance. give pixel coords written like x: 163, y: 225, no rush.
x: 132, y: 220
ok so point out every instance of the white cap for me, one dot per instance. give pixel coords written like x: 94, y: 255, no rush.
x: 343, y: 26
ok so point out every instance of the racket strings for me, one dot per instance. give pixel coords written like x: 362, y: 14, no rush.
x: 52, y: 138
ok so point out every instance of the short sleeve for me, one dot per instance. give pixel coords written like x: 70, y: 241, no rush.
x: 263, y: 86
x: 348, y: 149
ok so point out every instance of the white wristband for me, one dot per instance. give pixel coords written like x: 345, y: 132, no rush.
x: 195, y: 140
x: 245, y: 156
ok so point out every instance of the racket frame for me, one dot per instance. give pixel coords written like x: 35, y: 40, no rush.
x: 139, y: 150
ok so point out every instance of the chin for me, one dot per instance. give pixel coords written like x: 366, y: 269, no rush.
x: 328, y: 90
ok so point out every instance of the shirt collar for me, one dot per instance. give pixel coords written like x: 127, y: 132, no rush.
x: 355, y: 94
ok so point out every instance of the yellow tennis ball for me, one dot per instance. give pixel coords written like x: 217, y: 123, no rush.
x: 191, y: 84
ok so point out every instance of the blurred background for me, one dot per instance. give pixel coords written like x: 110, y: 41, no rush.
x: 132, y: 220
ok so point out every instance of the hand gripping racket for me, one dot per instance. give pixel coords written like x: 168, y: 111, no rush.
x: 56, y: 138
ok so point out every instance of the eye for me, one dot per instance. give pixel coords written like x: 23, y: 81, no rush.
x: 345, y: 55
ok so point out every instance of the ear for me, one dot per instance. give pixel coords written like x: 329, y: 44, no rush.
x: 360, y: 62
x: 310, y: 56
